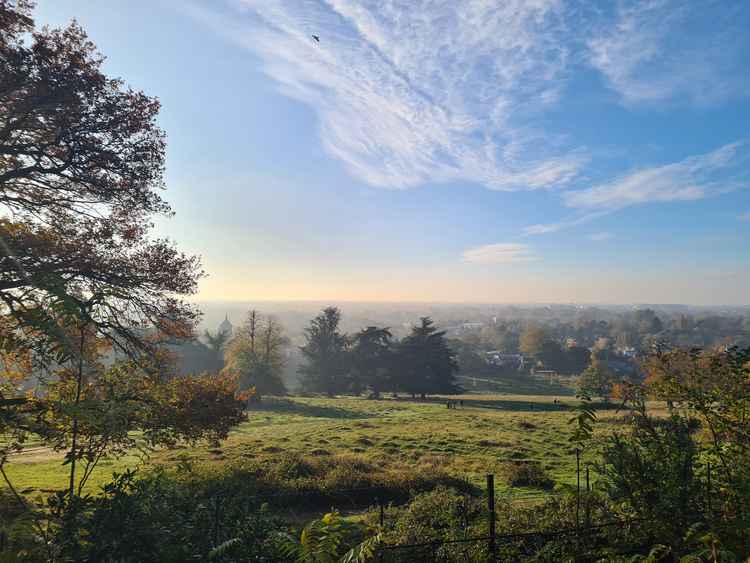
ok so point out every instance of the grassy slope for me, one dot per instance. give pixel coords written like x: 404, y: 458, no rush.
x: 468, y: 442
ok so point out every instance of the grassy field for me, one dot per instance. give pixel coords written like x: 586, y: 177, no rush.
x: 483, y: 436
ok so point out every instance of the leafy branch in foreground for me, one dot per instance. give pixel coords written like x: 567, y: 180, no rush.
x: 328, y: 540
x: 583, y: 421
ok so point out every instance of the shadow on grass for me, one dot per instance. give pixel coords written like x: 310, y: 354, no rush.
x: 287, y: 406
x: 516, y: 385
x: 527, y: 406
x: 517, y: 406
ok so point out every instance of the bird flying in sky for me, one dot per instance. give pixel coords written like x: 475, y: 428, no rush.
x: 316, y: 38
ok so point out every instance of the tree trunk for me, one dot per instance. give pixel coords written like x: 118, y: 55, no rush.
x: 74, y: 433
x: 71, y: 527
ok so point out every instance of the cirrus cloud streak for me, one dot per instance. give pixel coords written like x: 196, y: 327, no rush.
x: 500, y: 253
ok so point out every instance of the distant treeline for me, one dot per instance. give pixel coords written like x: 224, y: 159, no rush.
x: 640, y: 329
x: 330, y: 361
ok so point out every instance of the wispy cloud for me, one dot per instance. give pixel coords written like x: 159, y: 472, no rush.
x: 649, y: 50
x: 722, y: 170
x: 600, y: 237
x: 745, y: 216
x: 547, y: 228
x: 408, y: 93
x: 500, y: 253
x: 690, y: 179
x: 412, y: 92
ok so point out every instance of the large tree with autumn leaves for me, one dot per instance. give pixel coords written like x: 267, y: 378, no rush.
x: 81, y: 176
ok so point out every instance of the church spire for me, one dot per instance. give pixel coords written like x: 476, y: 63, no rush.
x: 226, y: 326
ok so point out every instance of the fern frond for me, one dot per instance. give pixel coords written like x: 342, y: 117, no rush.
x: 223, y: 548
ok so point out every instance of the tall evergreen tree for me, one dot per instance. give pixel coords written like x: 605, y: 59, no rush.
x: 326, y: 354
x: 425, y: 363
x: 371, y: 360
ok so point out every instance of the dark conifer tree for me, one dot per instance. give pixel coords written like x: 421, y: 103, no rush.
x: 425, y: 363
x: 372, y: 360
x: 326, y: 354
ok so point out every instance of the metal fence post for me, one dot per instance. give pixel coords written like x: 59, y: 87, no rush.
x: 491, y: 508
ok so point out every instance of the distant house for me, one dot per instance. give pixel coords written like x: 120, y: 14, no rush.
x: 623, y: 368
x: 627, y: 351
x: 463, y: 328
x: 497, y: 358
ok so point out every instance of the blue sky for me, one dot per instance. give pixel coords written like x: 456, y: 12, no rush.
x: 458, y: 150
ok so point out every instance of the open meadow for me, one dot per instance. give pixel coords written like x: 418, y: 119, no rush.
x: 327, y: 446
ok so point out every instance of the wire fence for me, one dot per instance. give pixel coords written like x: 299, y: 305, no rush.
x: 585, y: 537
x: 506, y: 547
x: 586, y: 540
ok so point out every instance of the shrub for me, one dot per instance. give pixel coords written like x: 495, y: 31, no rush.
x: 161, y: 518
x: 18, y: 536
x: 525, y: 473
x: 439, y: 515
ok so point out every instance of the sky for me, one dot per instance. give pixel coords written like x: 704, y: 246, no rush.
x: 447, y: 150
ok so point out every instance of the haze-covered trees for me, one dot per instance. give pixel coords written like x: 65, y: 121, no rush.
x: 216, y: 343
x: 372, y: 360
x: 597, y: 380
x: 326, y: 354
x: 531, y: 342
x: 256, y: 355
x: 577, y: 359
x: 421, y: 363
x: 425, y: 363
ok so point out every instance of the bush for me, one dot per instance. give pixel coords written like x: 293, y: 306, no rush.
x: 160, y: 518
x: 439, y: 515
x: 525, y: 473
x: 652, y: 470
x: 18, y: 535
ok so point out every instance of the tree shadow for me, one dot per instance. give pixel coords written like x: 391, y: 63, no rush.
x: 517, y: 406
x: 288, y: 406
x: 530, y: 406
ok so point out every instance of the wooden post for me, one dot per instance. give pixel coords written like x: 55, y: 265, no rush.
x: 708, y: 486
x: 578, y: 488
x: 588, y: 499
x: 382, y: 521
x: 491, y: 508
x: 217, y: 508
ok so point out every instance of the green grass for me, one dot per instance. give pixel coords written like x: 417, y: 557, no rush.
x: 483, y: 436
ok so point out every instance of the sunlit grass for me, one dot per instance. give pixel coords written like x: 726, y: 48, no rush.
x: 469, y: 441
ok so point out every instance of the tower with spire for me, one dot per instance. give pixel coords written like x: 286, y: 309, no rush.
x: 226, y: 327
